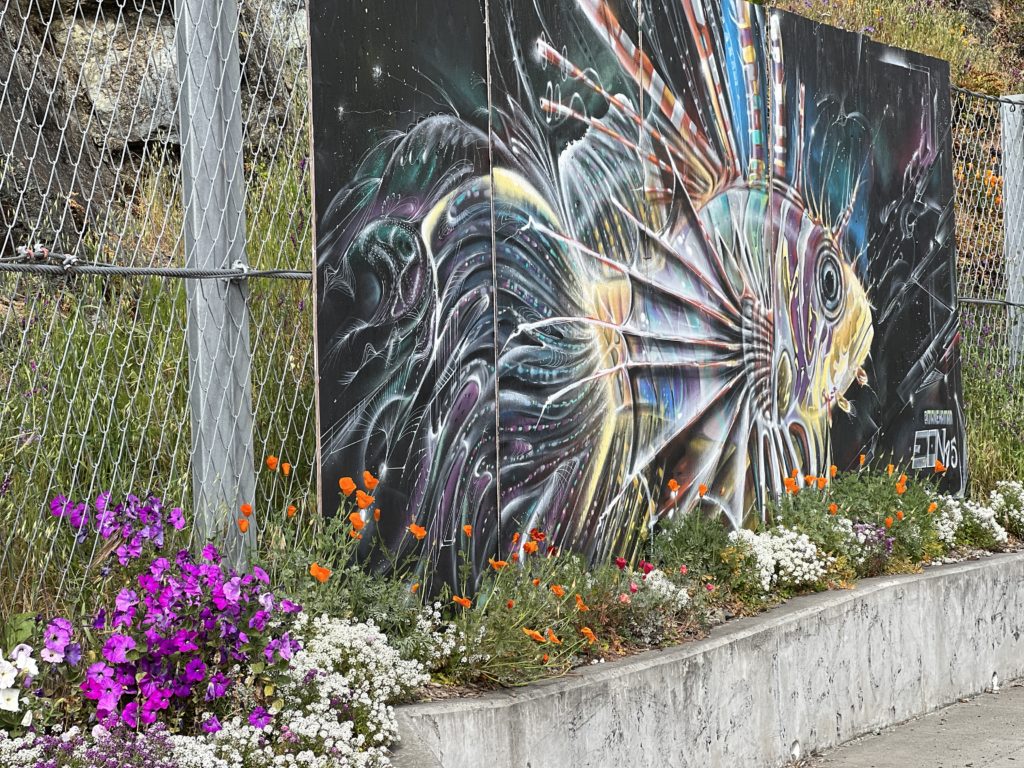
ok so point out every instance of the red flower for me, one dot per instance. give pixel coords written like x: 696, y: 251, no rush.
x: 620, y: 563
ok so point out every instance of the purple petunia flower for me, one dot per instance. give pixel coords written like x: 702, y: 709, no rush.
x: 195, y: 670
x: 260, y: 718
x: 217, y: 686
x: 73, y: 654
x: 210, y: 554
x: 211, y: 724
x: 116, y: 649
x: 176, y: 518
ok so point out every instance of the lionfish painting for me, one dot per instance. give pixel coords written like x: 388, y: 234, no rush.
x: 618, y: 261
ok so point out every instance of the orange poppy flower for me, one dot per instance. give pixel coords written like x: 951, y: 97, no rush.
x: 580, y: 605
x: 355, y: 535
x: 553, y: 637
x: 888, y: 522
x: 899, y: 515
x: 791, y: 485
x: 533, y: 634
x: 376, y: 514
x: 510, y: 604
x: 246, y: 509
x: 465, y: 602
x: 890, y: 469
x: 536, y: 582
x: 903, y: 479
x: 292, y: 510
x: 369, y: 480
x: 544, y: 659
x: 415, y: 588
x: 809, y: 479
x: 286, y: 469
x: 514, y: 557
x: 933, y: 506
x: 363, y: 500
x: 833, y: 470
x: 497, y: 564
x: 515, y: 538
x: 468, y: 530
x: 557, y: 590
x: 243, y: 525
x: 833, y: 508
x: 347, y: 485
x: 702, y: 490
x: 538, y: 535
x: 588, y: 633
x: 863, y: 458
x: 939, y: 466
x: 795, y: 474
x: 530, y: 547
x: 821, y: 483
x: 357, y: 521
x: 272, y: 463
x: 418, y: 531
x: 673, y: 486
x: 319, y: 573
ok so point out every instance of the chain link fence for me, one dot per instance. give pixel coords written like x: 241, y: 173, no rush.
x: 100, y: 229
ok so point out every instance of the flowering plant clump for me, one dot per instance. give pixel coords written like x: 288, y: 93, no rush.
x: 1007, y: 501
x: 784, y: 559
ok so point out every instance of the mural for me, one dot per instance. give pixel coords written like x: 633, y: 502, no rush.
x: 569, y: 252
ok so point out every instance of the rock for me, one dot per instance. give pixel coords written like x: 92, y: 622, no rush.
x: 128, y: 75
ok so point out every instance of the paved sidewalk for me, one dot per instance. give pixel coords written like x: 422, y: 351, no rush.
x: 984, y: 732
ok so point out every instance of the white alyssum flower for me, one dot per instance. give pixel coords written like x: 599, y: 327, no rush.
x: 783, y: 557
x: 955, y: 513
x: 1007, y: 500
x: 675, y: 598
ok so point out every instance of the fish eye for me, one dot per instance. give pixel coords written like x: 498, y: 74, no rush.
x: 830, y: 283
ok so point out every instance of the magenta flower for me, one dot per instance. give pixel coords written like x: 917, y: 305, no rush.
x: 116, y: 649
x: 211, y: 724
x: 260, y: 718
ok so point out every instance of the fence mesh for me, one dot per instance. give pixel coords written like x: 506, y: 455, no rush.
x: 94, y: 371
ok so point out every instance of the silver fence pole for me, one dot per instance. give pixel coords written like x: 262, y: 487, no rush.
x: 1013, y: 218
x: 213, y: 185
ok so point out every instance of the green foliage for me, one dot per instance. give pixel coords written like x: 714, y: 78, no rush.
x: 696, y: 541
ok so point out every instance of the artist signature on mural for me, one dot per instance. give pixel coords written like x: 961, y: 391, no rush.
x: 931, y: 445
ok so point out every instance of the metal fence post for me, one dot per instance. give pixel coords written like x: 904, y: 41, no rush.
x: 213, y: 185
x: 1013, y: 219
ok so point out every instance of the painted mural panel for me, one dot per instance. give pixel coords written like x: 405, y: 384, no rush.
x: 679, y: 249
x: 404, y: 279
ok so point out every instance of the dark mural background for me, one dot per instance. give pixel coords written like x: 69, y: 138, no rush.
x: 612, y: 246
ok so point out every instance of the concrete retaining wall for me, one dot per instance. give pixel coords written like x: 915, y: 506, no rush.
x: 818, y: 671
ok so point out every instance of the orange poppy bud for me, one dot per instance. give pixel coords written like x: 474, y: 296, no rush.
x: 588, y: 633
x: 534, y: 635
x: 319, y: 573
x: 496, y: 564
x: 286, y: 469
x: 833, y: 508
x: 418, y: 531
x: 272, y: 462
x: 465, y: 602
x: 888, y: 522
x: 357, y: 521
x: 369, y: 480
x: 833, y: 470
x: 899, y: 515
x: 355, y: 535
x: 580, y: 605
x: 863, y: 458
x: 673, y: 486
x: 515, y: 538
x: 557, y: 590
x: 821, y: 483
x: 795, y: 474
x: 702, y: 490
x: 932, y: 507
x: 376, y: 515
x: 347, y: 485
x: 530, y: 547
x: 514, y: 557
x: 536, y: 582
x: 510, y: 604
x: 246, y: 509
x: 363, y: 500
x: 243, y: 525
x: 552, y: 637
x: 292, y: 510
x: 415, y: 588
x: 468, y: 530
x: 939, y: 466
x: 890, y: 469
